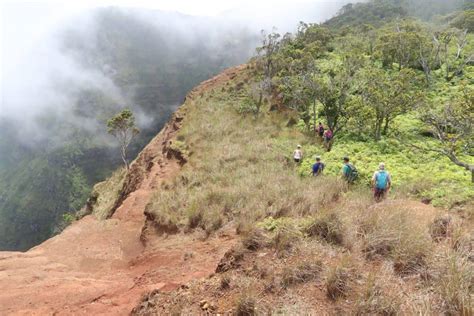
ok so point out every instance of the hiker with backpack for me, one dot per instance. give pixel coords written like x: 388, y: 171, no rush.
x: 318, y: 167
x: 298, y: 154
x: 381, y: 182
x: 321, y: 130
x: 328, y: 135
x: 349, y: 171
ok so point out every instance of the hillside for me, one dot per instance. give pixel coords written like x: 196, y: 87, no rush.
x: 109, y: 59
x: 181, y: 210
x: 103, y: 266
x: 216, y: 217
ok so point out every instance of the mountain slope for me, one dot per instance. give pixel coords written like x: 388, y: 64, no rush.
x: 109, y: 59
x: 216, y: 218
x: 103, y: 266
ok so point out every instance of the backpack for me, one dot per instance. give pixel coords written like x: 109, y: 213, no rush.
x: 329, y: 134
x: 321, y: 129
x: 381, y: 180
x: 353, y: 174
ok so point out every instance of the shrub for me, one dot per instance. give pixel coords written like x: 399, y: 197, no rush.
x: 439, y: 229
x: 254, y: 239
x: 303, y: 273
x: 246, y: 305
x: 225, y: 282
x: 396, y: 234
x: 328, y: 227
x: 285, y: 239
x: 454, y: 283
x: 374, y: 301
x: 337, y: 282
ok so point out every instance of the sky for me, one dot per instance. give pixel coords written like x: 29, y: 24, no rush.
x: 192, y: 7
x: 30, y: 55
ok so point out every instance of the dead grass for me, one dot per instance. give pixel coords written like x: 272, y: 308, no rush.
x: 338, y: 279
x: 375, y: 300
x: 254, y: 239
x: 305, y: 272
x: 246, y: 305
x: 454, y: 283
x: 327, y: 226
x: 392, y: 232
x: 106, y: 193
x: 440, y: 228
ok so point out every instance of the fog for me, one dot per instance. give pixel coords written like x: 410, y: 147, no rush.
x: 39, y: 76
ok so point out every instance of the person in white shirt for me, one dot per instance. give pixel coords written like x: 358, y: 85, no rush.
x: 298, y: 154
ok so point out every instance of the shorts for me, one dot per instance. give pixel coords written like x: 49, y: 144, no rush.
x: 297, y: 160
x: 379, y: 194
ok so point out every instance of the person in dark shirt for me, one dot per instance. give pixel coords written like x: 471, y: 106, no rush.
x: 320, y: 130
x: 318, y: 167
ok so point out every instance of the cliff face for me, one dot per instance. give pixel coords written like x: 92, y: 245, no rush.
x: 103, y: 266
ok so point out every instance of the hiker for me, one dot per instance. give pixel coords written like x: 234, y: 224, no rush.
x: 298, y: 154
x: 349, y: 171
x: 318, y: 167
x: 320, y: 130
x: 381, y: 183
x: 327, y: 139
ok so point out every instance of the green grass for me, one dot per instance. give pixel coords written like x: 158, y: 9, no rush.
x: 424, y: 175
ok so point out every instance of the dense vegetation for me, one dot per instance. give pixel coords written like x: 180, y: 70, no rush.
x: 152, y: 59
x: 397, y: 90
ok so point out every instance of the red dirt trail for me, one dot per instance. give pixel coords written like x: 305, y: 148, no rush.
x: 101, y: 266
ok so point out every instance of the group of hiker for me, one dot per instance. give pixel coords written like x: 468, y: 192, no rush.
x: 381, y: 180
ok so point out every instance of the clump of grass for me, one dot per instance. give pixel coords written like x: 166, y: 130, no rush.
x: 286, y: 239
x: 463, y: 242
x: 246, y: 305
x: 395, y: 234
x: 327, y: 226
x: 254, y: 239
x: 162, y: 222
x: 338, y: 279
x: 302, y: 273
x: 439, y: 229
x: 454, y: 283
x: 231, y: 260
x: 374, y: 301
x: 225, y: 282
x: 105, y: 194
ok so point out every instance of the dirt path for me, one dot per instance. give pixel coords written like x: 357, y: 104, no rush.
x: 102, y: 267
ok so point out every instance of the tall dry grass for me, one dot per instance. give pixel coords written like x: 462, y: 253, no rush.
x: 238, y: 171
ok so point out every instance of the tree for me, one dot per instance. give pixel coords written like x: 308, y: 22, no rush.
x: 399, y: 44
x: 454, y: 63
x: 387, y: 95
x: 453, y: 127
x: 122, y: 126
x: 267, y: 53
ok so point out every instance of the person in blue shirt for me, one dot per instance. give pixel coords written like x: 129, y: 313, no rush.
x: 318, y: 167
x: 381, y: 181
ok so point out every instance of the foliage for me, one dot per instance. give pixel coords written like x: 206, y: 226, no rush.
x: 453, y: 126
x: 122, y: 126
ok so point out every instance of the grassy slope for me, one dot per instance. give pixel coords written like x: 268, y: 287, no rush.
x: 308, y: 245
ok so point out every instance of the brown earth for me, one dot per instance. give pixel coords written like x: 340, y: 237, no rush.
x: 104, y: 267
